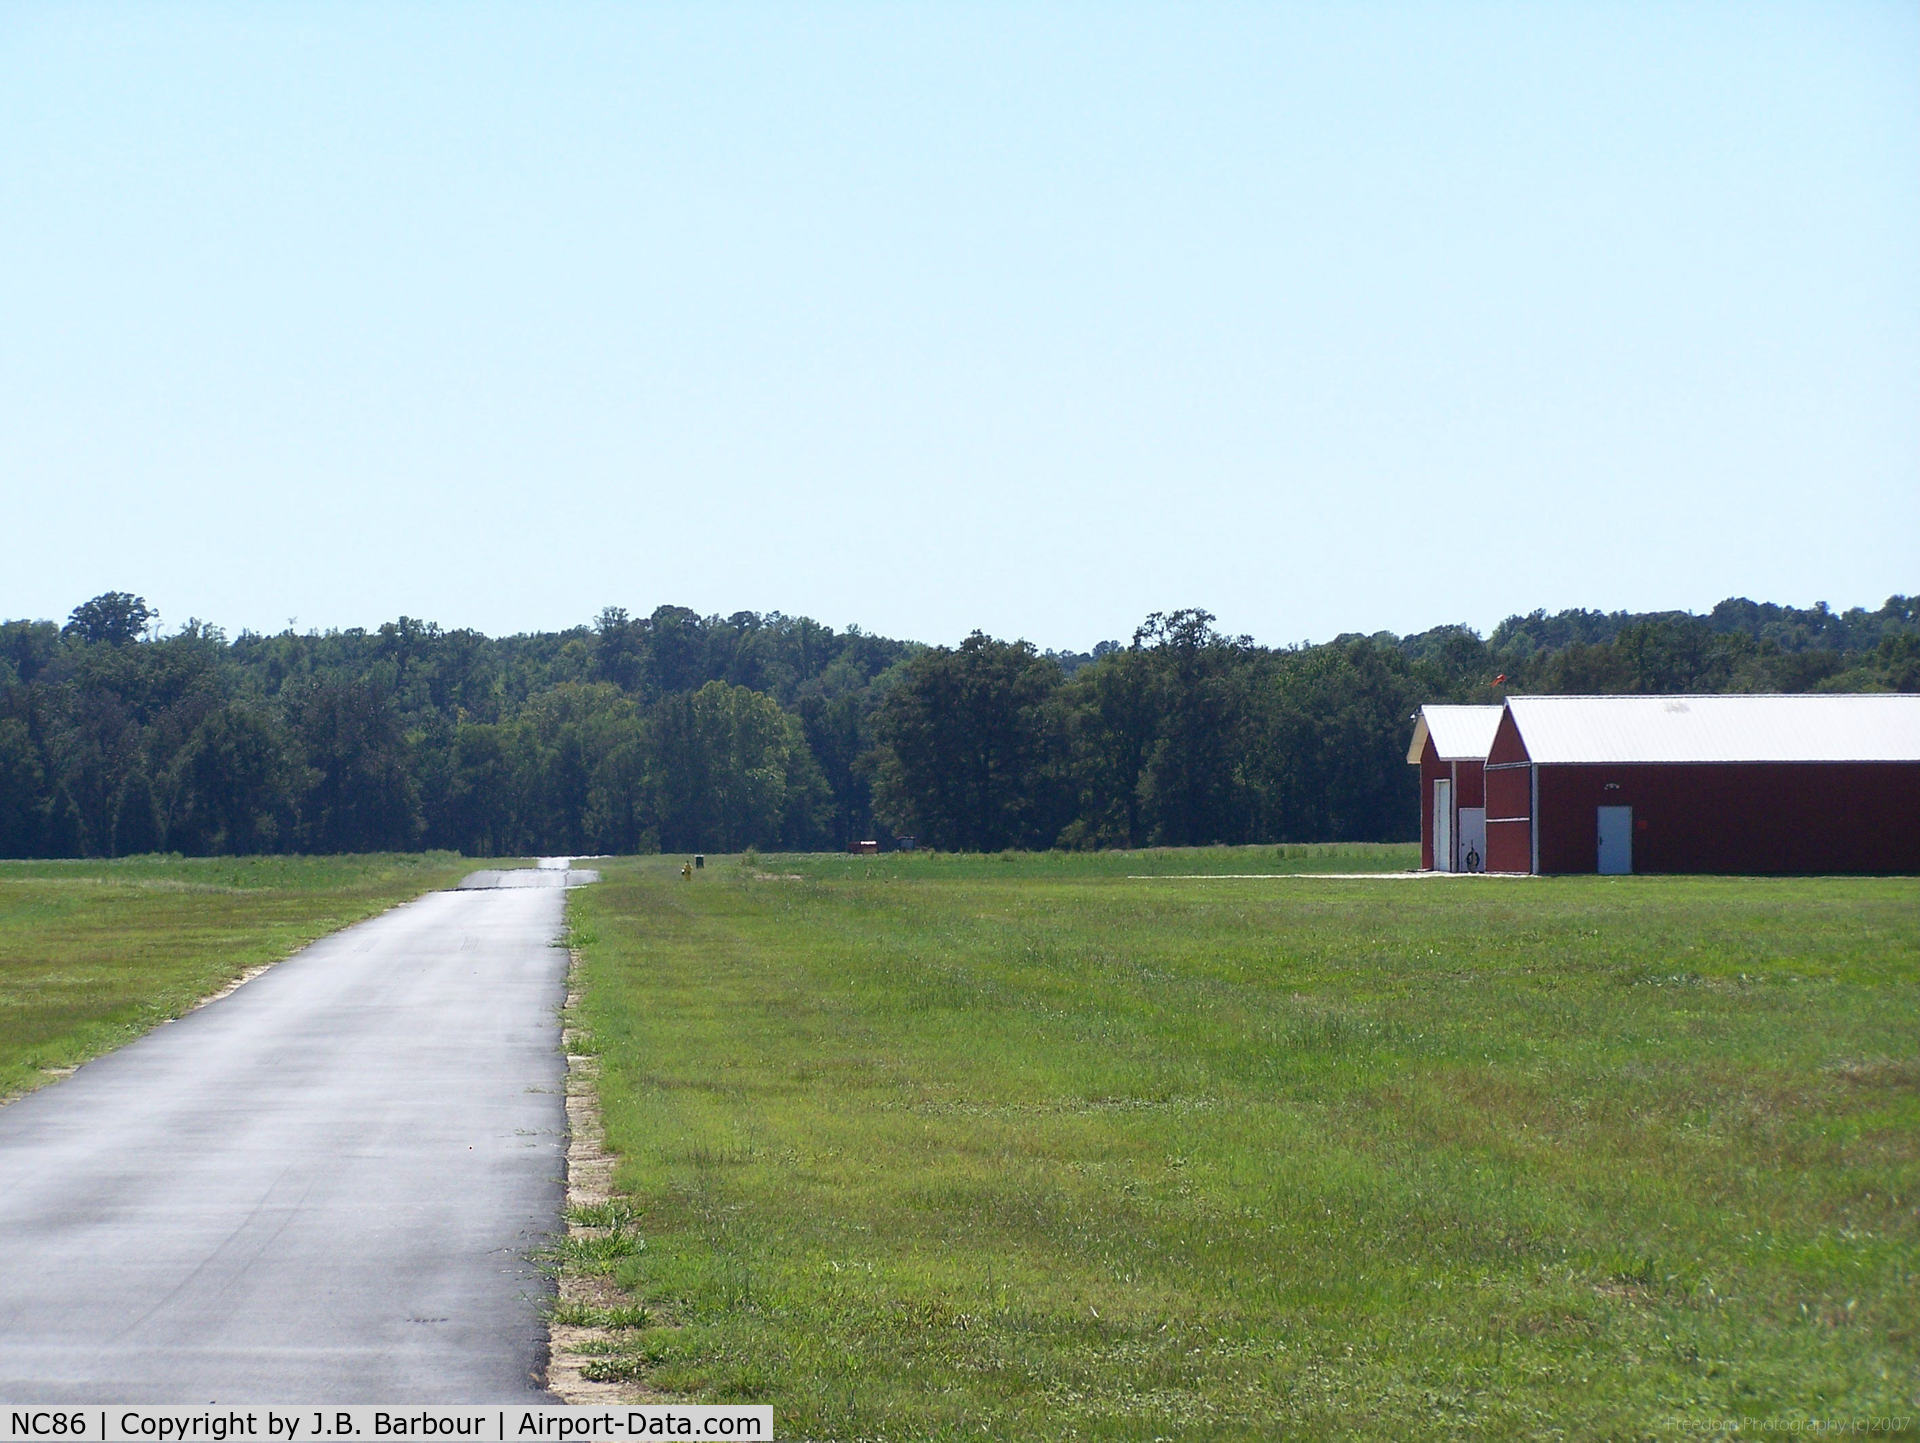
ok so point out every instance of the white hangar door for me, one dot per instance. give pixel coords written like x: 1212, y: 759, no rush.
x: 1616, y: 841
x: 1472, y: 849
x: 1443, y: 860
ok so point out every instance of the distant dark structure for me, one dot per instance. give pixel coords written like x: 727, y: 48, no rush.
x: 1733, y: 784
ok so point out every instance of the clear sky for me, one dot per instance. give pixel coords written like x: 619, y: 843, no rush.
x: 1033, y: 318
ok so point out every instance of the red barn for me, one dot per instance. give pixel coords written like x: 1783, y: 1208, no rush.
x: 1745, y: 784
x: 1450, y: 745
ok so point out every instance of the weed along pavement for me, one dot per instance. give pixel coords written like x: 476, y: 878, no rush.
x: 323, y: 1187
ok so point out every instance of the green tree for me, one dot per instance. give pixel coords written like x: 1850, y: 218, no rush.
x: 113, y: 618
x: 581, y: 767
x: 1325, y: 754
x: 235, y: 786
x: 1114, y: 711
x: 617, y: 653
x: 1188, y: 779
x: 476, y: 805
x: 676, y: 651
x: 23, y: 795
x: 27, y: 648
x: 969, y: 748
x: 732, y: 770
x: 362, y: 796
x: 838, y: 733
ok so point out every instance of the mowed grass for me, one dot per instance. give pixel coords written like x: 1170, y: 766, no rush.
x: 1081, y: 866
x: 94, y: 953
x: 926, y: 1147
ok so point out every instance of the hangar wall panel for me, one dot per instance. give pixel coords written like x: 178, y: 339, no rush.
x: 1737, y: 818
x: 1509, y: 802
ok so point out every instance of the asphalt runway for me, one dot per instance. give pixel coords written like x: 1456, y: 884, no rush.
x: 322, y: 1188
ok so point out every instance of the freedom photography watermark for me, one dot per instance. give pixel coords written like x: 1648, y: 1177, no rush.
x: 132, y: 1423
x: 1900, y: 1424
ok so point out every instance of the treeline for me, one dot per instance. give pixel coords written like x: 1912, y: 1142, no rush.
x: 681, y: 732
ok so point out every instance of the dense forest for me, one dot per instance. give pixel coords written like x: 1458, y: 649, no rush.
x: 681, y: 732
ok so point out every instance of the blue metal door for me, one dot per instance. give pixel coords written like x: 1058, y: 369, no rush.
x: 1616, y: 841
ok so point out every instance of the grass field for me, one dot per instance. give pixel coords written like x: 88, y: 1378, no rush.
x: 92, y: 954
x: 1025, y: 1148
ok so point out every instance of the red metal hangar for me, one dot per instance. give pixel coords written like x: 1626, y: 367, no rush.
x: 1450, y: 745
x: 1738, y: 784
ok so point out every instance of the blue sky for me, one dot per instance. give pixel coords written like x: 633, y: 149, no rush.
x: 1031, y: 318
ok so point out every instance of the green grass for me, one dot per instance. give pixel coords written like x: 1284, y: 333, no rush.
x: 92, y: 954
x: 1080, y: 866
x: 951, y: 1148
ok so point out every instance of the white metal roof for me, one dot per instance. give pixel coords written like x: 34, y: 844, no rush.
x: 1882, y: 727
x: 1460, y: 733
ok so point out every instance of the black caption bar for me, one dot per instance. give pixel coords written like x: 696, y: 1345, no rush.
x: 143, y: 1423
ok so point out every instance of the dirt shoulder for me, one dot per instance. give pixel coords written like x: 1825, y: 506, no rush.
x: 574, y: 1345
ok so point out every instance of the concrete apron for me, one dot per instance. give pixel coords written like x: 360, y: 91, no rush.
x: 324, y: 1187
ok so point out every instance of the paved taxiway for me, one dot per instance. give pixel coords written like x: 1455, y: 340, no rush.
x: 324, y: 1187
